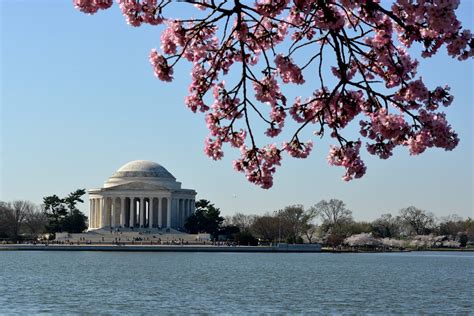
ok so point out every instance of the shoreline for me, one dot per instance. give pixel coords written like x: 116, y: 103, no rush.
x: 202, y: 248
x: 162, y: 248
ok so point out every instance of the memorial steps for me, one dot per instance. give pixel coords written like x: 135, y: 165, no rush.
x: 142, y: 235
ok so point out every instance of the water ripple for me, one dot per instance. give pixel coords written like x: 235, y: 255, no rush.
x: 91, y: 283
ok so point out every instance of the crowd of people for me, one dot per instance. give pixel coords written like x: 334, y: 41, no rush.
x: 126, y: 240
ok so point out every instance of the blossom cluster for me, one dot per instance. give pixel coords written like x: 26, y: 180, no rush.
x: 325, y: 16
x: 288, y: 71
x: 270, y: 8
x: 92, y: 6
x: 433, y: 23
x: 349, y: 158
x: 387, y: 130
x: 160, y: 66
x: 267, y: 90
x: 137, y: 12
x: 297, y: 149
x: 416, y: 96
x: 436, y: 132
x: 259, y: 164
x: 334, y: 109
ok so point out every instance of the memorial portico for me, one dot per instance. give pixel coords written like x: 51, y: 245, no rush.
x: 140, y: 194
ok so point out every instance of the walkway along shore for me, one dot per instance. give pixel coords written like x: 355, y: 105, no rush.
x: 282, y: 248
x: 164, y: 248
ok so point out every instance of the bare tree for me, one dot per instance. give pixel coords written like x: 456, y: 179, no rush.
x: 243, y: 221
x: 13, y: 215
x: 266, y: 227
x: 36, y: 222
x: 451, y: 225
x: 387, y: 226
x: 227, y: 221
x: 4, y: 221
x: 310, y: 231
x: 420, y: 221
x: 333, y: 213
x: 295, y: 220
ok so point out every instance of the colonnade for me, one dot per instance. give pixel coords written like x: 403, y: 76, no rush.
x: 140, y: 212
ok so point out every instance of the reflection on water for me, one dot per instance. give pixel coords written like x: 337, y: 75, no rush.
x: 146, y: 283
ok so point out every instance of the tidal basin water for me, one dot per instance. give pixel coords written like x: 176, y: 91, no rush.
x: 236, y: 283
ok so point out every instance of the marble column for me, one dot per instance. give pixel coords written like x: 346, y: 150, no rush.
x: 90, y: 213
x: 112, y: 213
x: 102, y: 213
x: 142, y: 212
x: 97, y: 212
x: 150, y: 212
x: 92, y: 220
x: 132, y: 212
x: 188, y: 209
x: 122, y: 212
x: 185, y: 211
x: 94, y: 207
x: 168, y: 209
x: 160, y: 212
x: 180, y: 213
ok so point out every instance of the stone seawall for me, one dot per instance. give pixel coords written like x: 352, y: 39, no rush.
x: 163, y: 248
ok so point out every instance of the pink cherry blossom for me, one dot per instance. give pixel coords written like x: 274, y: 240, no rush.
x: 259, y: 165
x: 137, y: 12
x: 348, y: 157
x: 267, y: 90
x: 297, y: 149
x: 92, y: 6
x: 270, y: 8
x: 160, y: 66
x: 213, y: 148
x: 288, y: 71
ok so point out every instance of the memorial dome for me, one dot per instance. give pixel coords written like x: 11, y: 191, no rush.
x: 140, y: 169
x: 143, y: 168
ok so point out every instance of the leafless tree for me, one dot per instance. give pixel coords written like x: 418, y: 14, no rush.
x: 295, y: 220
x: 266, y: 227
x: 310, y: 231
x: 13, y: 216
x: 387, y: 226
x: 333, y: 213
x: 35, y: 222
x: 4, y: 221
x: 420, y: 221
x: 243, y: 221
x: 227, y: 221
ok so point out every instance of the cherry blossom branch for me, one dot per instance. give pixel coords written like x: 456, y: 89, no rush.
x: 376, y: 79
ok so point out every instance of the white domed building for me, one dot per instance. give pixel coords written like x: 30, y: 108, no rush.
x: 140, y: 194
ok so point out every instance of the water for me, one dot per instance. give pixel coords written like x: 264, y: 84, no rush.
x: 236, y: 283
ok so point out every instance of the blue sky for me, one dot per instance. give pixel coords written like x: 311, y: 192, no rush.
x: 78, y: 100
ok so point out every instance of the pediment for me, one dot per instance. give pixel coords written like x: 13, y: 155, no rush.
x: 136, y: 185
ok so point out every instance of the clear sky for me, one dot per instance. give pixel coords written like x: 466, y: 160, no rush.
x: 78, y: 100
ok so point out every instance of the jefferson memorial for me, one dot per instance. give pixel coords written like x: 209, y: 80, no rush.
x: 140, y: 194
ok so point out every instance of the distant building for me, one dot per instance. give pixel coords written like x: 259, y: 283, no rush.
x: 140, y: 194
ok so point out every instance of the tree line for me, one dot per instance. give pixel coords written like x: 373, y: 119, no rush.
x: 297, y: 224
x: 20, y: 220
x: 328, y: 222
